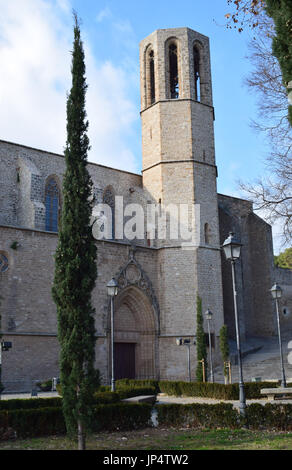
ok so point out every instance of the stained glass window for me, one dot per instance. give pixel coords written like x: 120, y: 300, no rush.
x: 3, y: 263
x: 52, y: 205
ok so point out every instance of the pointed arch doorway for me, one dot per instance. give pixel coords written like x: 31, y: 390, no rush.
x: 135, y: 336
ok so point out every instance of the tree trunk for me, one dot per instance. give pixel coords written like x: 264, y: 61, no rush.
x: 81, y: 437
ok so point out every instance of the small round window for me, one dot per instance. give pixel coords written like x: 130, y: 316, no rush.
x: 3, y: 263
x: 286, y: 311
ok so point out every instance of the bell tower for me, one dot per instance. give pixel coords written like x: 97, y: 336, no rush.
x: 179, y: 169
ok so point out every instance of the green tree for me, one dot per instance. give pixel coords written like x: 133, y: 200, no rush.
x: 224, y: 348
x: 281, y: 12
x: 252, y: 13
x: 75, y: 263
x: 284, y: 260
x: 201, y: 342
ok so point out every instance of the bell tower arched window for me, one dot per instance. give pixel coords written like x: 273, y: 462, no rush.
x: 197, y: 75
x: 173, y: 72
x: 152, y: 77
x: 109, y: 199
x: 52, y: 203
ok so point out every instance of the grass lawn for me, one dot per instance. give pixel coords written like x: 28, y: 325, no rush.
x: 164, y: 439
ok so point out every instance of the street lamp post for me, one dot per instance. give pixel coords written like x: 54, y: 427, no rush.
x: 232, y: 248
x: 208, y: 316
x: 276, y: 292
x: 112, y: 290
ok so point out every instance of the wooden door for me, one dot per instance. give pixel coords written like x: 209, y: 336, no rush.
x: 124, y: 358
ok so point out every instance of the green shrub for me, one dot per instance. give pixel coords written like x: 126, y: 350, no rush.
x: 129, y: 416
x: 104, y: 398
x: 213, y: 390
x: 271, y: 416
x: 122, y: 416
x: 128, y: 392
x: 30, y: 403
x: 48, y: 421
x: 138, y: 383
x: 104, y: 388
x: 197, y: 415
x: 45, y: 386
x: 32, y: 422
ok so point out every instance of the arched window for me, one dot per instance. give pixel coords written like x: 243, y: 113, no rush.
x: 173, y: 72
x: 52, y: 203
x: 152, y: 77
x: 3, y: 262
x: 109, y: 199
x: 207, y: 234
x: 197, y: 76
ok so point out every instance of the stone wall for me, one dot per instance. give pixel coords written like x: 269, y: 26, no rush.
x: 29, y: 313
x: 254, y: 269
x: 284, y: 278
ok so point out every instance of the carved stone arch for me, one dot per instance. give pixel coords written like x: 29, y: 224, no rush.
x: 136, y: 321
x: 171, y: 89
x: 149, y: 75
x: 198, y: 71
x: 132, y: 274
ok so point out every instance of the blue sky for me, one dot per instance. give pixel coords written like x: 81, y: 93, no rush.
x: 35, y: 43
x: 121, y: 25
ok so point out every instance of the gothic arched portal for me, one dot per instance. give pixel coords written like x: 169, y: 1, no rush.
x: 136, y: 324
x: 134, y: 335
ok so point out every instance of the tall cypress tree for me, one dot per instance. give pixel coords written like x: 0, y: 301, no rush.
x: 281, y: 12
x: 201, y: 342
x: 75, y: 262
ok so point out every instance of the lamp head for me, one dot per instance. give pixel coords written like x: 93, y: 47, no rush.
x: 276, y: 291
x: 112, y: 287
x: 208, y: 315
x: 232, y: 247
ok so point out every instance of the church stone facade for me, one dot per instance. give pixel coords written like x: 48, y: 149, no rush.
x: 159, y: 278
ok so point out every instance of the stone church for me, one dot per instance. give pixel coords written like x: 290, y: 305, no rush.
x: 158, y: 278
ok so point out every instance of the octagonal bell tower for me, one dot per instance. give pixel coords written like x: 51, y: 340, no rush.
x: 179, y: 168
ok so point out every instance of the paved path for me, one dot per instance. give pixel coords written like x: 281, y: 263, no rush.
x: 163, y: 399
x: 10, y: 396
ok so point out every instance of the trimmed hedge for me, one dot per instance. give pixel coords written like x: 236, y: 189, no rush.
x: 130, y: 416
x: 122, y: 416
x: 48, y: 421
x: 270, y: 417
x: 134, y: 383
x: 198, y: 415
x: 30, y: 403
x: 214, y: 390
x: 200, y: 389
x: 127, y: 416
x: 32, y: 422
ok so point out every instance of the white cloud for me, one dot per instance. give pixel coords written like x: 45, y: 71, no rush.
x: 103, y: 14
x: 35, y: 43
